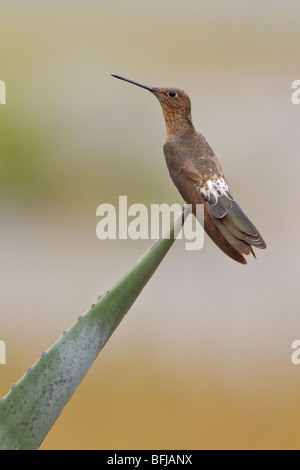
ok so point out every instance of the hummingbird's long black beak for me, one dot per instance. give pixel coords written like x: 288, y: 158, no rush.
x: 150, y: 88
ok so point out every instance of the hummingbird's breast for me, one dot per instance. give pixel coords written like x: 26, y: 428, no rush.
x: 193, y: 148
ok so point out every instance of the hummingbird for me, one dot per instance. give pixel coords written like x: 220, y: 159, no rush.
x: 199, y: 178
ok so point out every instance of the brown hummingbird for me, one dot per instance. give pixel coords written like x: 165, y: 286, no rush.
x: 198, y: 176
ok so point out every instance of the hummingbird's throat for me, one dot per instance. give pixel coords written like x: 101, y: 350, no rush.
x: 178, y: 123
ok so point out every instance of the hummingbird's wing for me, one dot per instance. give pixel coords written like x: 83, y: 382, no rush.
x: 224, y: 221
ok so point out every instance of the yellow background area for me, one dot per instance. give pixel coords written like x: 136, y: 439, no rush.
x: 203, y: 359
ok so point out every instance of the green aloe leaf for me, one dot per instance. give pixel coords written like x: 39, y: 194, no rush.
x: 32, y: 406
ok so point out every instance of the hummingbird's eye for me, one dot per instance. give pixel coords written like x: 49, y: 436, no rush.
x: 172, y: 94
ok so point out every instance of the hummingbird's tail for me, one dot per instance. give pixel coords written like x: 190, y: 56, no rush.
x: 224, y: 240
x: 232, y: 231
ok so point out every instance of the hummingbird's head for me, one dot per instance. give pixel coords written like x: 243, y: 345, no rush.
x: 175, y: 103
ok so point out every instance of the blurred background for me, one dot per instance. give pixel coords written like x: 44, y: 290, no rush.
x: 203, y: 359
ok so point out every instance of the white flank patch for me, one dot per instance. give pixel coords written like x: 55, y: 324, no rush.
x: 216, y: 188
